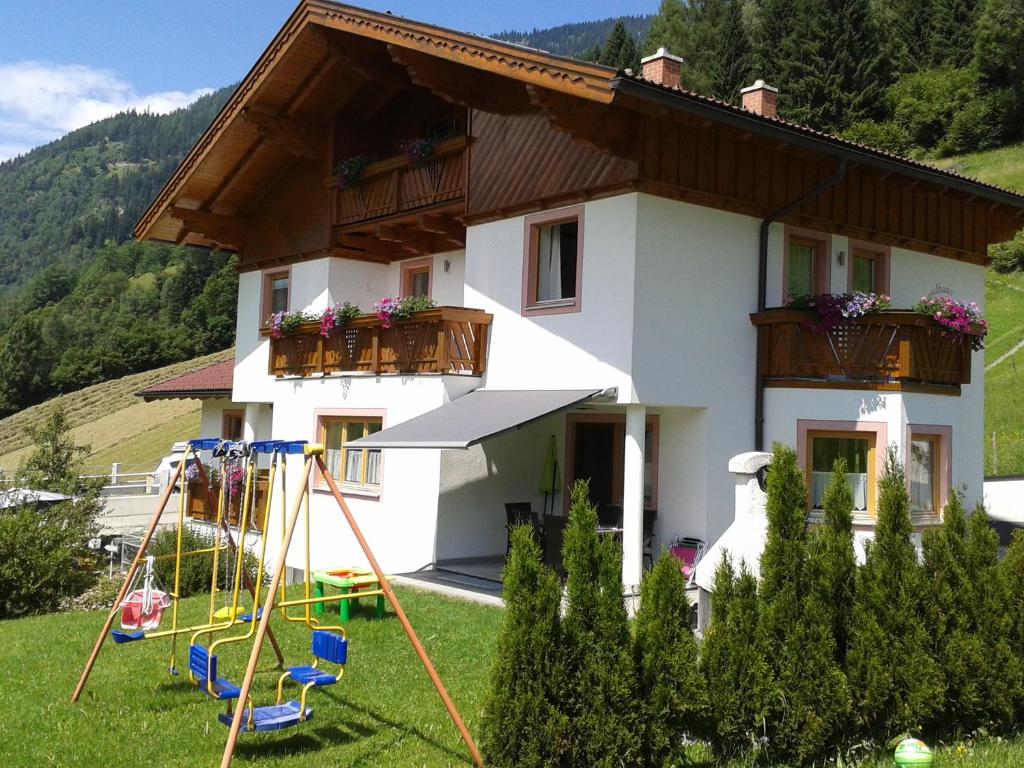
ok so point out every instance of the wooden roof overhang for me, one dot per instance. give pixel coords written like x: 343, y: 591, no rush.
x: 329, y: 58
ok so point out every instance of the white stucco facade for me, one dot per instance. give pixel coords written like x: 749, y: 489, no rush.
x: 666, y: 292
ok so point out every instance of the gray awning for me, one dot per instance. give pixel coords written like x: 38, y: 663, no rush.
x: 474, y: 417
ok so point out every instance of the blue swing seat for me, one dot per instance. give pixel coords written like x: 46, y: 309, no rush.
x: 331, y: 648
x: 204, y: 668
x: 245, y: 618
x: 120, y: 637
x: 272, y: 718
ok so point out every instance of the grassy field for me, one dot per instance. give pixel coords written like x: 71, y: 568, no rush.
x: 1003, y: 167
x: 383, y: 713
x: 117, y: 425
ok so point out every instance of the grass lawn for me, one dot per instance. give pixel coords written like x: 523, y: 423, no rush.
x: 1003, y: 167
x: 384, y: 712
x: 1004, y: 407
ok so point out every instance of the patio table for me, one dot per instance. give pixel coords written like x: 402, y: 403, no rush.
x: 348, y: 580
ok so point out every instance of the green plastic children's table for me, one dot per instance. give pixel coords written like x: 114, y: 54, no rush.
x: 348, y: 581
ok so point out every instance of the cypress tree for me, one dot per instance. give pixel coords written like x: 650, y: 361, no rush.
x: 521, y: 725
x: 736, y: 676
x: 833, y: 572
x: 795, y: 625
x: 670, y: 694
x: 896, y: 683
x: 598, y: 693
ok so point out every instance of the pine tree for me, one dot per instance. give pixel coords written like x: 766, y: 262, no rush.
x: 906, y: 28
x: 896, y: 684
x: 521, y: 724
x: 670, y: 694
x: 736, y: 676
x: 620, y: 49
x: 730, y: 62
x: 669, y: 29
x: 999, y: 44
x: 598, y: 693
x: 795, y: 626
x: 777, y: 44
x: 953, y: 29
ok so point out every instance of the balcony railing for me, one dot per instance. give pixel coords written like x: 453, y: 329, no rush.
x: 889, y: 348
x: 449, y: 340
x: 390, y: 187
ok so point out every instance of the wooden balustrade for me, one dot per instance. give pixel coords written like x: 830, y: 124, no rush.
x: 450, y: 340
x: 891, y: 349
x: 392, y: 186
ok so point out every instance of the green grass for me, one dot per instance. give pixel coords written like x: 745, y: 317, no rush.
x: 113, y: 421
x: 383, y: 713
x: 1003, y: 167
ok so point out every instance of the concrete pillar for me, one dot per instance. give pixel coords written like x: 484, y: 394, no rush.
x: 633, y: 496
x: 252, y: 415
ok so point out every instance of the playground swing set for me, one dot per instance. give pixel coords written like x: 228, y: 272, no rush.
x: 142, y: 601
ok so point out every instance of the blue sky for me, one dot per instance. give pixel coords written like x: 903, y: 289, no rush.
x: 66, y: 63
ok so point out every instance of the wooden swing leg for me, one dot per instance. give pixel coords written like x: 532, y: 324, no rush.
x: 246, y: 579
x: 264, y: 625
x: 385, y: 586
x: 154, y: 521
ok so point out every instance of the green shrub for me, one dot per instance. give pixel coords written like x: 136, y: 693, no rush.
x: 808, y: 702
x: 924, y: 103
x: 196, y: 570
x: 670, y: 694
x: 985, y: 122
x: 1008, y: 256
x: 1012, y: 579
x: 521, y: 724
x: 598, y: 692
x: 44, y: 557
x: 735, y: 674
x: 896, y: 684
x: 888, y: 135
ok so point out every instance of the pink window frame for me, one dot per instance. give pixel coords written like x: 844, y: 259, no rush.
x: 879, y: 428
x: 531, y: 240
x: 821, y: 270
x: 347, y: 413
x: 417, y: 265
x: 944, y: 433
x: 882, y: 255
x: 265, y: 277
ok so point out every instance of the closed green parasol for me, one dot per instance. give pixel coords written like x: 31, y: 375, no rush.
x: 550, y: 483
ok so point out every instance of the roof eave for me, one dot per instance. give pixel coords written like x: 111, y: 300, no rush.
x: 749, y: 121
x: 209, y: 394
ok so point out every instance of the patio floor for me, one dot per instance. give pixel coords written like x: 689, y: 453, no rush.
x: 477, y: 579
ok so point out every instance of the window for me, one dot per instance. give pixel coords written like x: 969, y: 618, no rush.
x: 928, y: 470
x: 858, y: 450
x: 356, y: 468
x: 820, y: 443
x: 869, y: 269
x: 232, y: 424
x: 416, y: 277
x: 553, y: 258
x: 805, y: 264
x: 275, y: 293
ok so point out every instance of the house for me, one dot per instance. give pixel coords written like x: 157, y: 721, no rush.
x: 211, y: 384
x: 609, y: 255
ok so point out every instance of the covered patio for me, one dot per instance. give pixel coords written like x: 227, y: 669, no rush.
x: 510, y: 456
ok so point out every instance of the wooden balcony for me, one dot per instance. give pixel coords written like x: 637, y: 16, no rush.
x: 392, y: 187
x: 446, y: 340
x: 889, y: 350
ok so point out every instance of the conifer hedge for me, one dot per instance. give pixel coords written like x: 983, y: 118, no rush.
x: 818, y: 657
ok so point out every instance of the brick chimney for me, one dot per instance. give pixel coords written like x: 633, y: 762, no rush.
x: 663, y: 68
x: 761, y: 98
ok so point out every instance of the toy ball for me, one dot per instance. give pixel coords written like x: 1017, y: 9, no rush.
x: 913, y: 752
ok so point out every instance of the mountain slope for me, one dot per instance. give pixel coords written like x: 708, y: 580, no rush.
x: 62, y: 200
x: 575, y: 39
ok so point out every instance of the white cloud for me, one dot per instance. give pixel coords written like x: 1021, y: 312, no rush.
x: 40, y: 102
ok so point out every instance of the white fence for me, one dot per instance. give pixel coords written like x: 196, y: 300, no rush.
x: 121, y: 482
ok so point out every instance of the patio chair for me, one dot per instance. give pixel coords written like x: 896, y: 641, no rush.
x: 689, y: 552
x: 609, y: 516
x: 650, y: 515
x: 554, y: 533
x: 521, y: 513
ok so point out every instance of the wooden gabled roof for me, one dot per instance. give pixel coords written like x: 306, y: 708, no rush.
x: 324, y: 55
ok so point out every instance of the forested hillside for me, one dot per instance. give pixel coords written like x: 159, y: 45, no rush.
x: 78, y: 303
x: 575, y: 39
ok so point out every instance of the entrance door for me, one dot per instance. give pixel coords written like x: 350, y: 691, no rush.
x: 594, y: 460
